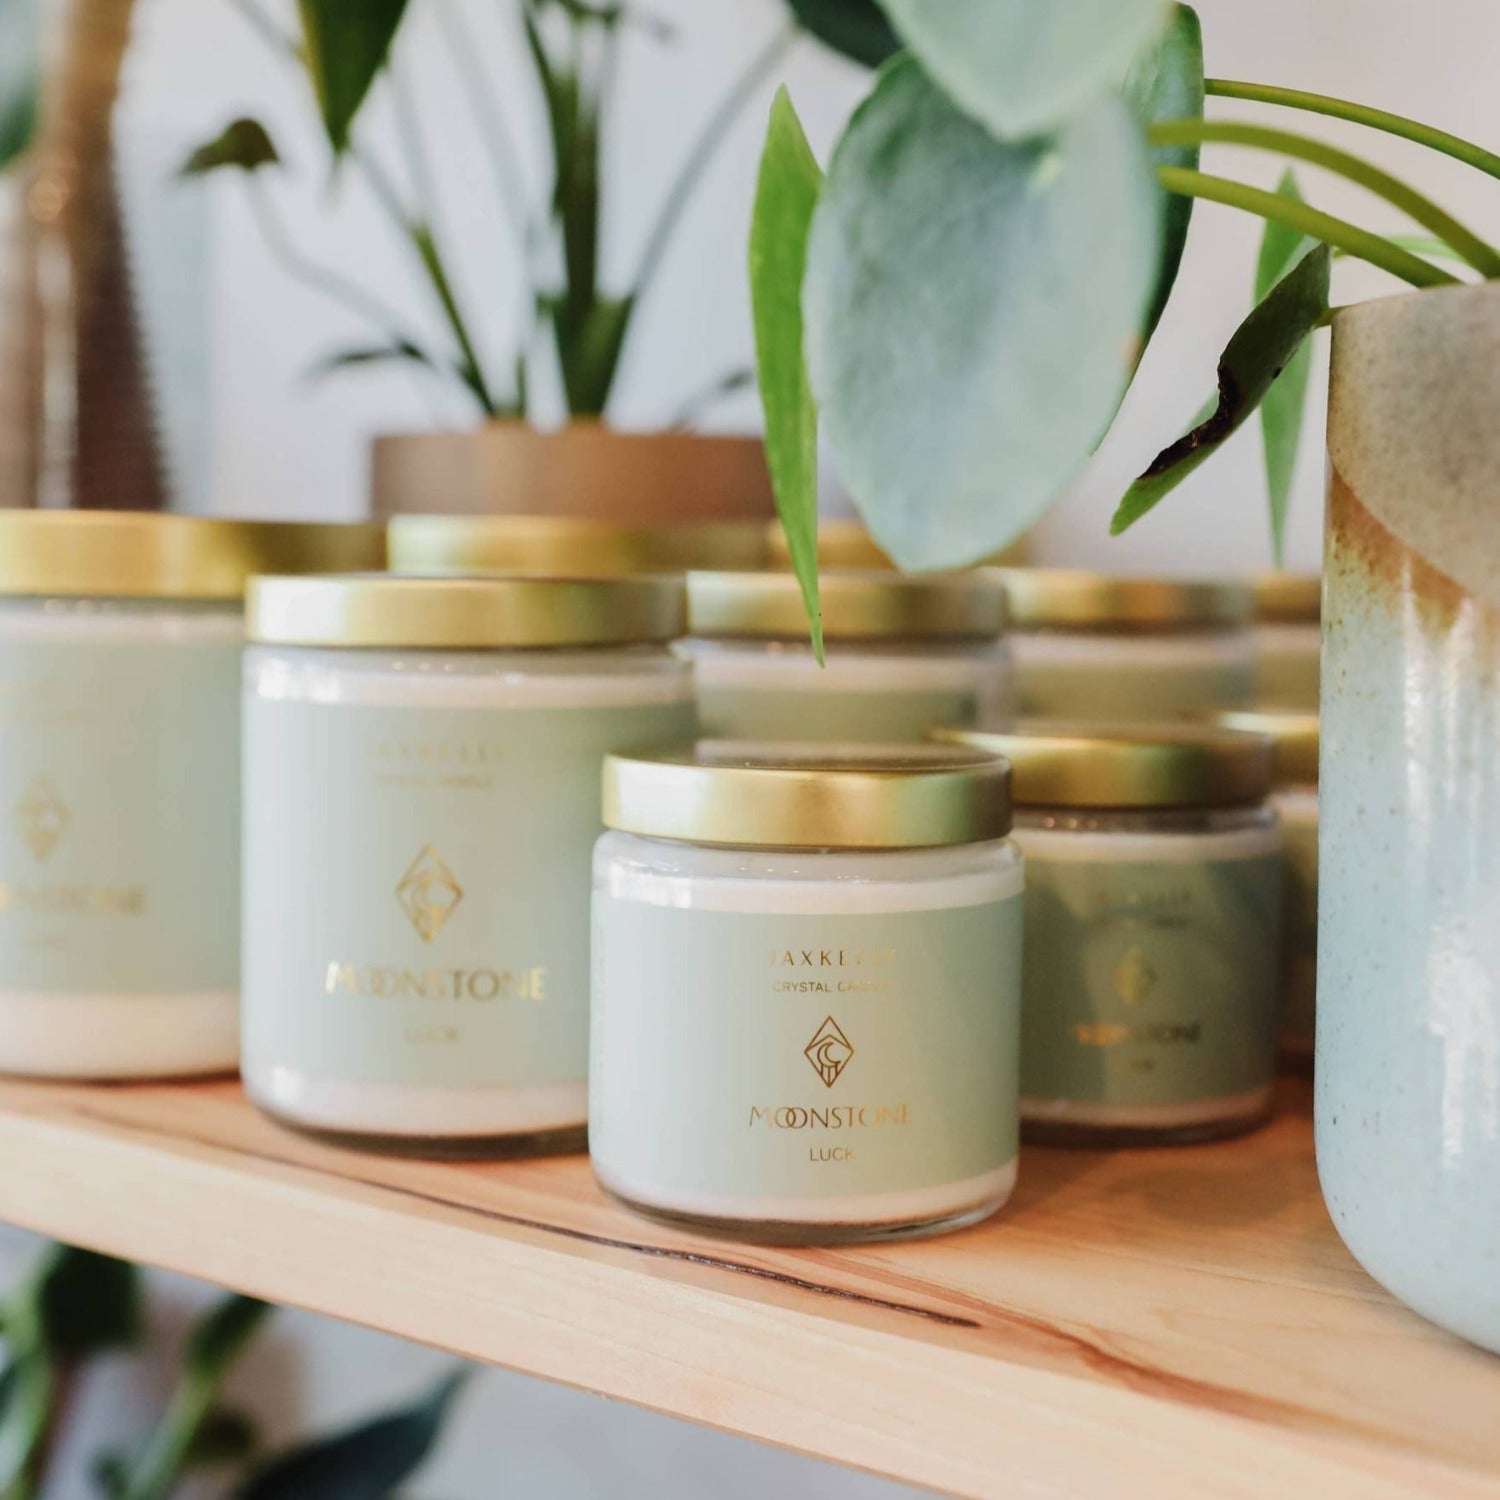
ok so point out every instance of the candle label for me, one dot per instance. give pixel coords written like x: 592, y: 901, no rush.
x: 1300, y: 925
x: 802, y: 1056
x: 417, y: 887
x: 1150, y: 982
x: 119, y: 826
x: 742, y: 712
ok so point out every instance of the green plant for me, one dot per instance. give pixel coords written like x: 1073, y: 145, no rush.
x: 344, y: 51
x: 997, y: 236
x: 74, y: 1305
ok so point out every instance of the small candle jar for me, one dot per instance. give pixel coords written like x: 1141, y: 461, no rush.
x: 903, y: 654
x: 1094, y: 648
x: 422, y: 762
x: 1295, y: 798
x: 1151, y: 996
x: 1288, y: 639
x: 120, y: 640
x: 569, y: 546
x: 806, y: 1001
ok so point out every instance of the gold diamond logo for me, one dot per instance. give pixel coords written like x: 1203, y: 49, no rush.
x: 1134, y: 977
x: 41, y: 817
x: 829, y: 1052
x: 429, y: 894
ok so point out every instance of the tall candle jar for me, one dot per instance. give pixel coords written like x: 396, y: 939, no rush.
x: 569, y: 546
x: 1099, y: 648
x: 806, y: 1002
x: 422, y: 761
x: 1151, y: 996
x: 120, y: 640
x: 903, y: 654
x: 1288, y: 638
x: 1295, y: 798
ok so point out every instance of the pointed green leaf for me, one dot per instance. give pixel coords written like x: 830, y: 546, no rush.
x: 364, y: 355
x: 1166, y: 83
x: 589, y: 346
x: 245, y: 144
x: 1285, y: 406
x: 346, y: 44
x: 1022, y: 67
x: 1254, y: 357
x: 20, y: 76
x: 366, y: 1463
x: 967, y: 340
x: 786, y: 195
x: 856, y: 28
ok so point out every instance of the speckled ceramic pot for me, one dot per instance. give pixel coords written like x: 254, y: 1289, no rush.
x: 1408, y: 1045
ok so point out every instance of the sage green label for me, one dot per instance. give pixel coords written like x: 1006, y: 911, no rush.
x: 740, y: 712
x: 119, y: 828
x: 1114, y: 688
x: 1300, y: 932
x: 800, y: 1056
x: 1149, y: 982
x: 417, y: 887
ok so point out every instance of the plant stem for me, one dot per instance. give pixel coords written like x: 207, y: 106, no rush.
x: 714, y: 133
x: 1360, y: 114
x: 1337, y: 233
x: 1483, y: 257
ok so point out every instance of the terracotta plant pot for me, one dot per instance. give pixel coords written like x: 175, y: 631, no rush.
x: 1408, y: 1043
x: 584, y: 469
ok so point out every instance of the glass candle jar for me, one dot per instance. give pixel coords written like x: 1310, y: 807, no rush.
x: 903, y: 654
x: 806, y: 1002
x: 569, y: 546
x: 1288, y: 638
x: 120, y: 639
x: 422, y: 763
x: 1295, y: 798
x: 1090, y: 647
x: 1153, y: 908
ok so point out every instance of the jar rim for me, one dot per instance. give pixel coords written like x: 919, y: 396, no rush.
x: 810, y: 796
x: 1288, y: 598
x: 138, y: 555
x: 1294, y: 733
x: 1069, y: 599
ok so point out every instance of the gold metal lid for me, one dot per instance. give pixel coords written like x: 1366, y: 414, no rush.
x: 810, y: 796
x: 1059, y: 599
x: 569, y: 546
x: 856, y: 606
x: 1288, y: 598
x: 1128, y: 765
x: 1293, y: 732
x: 846, y: 544
x: 136, y: 555
x: 463, y: 613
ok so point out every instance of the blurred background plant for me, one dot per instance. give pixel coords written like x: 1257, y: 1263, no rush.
x: 73, y: 1306
x: 567, y: 315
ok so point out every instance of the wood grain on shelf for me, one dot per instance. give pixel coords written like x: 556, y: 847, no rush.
x: 1174, y: 1323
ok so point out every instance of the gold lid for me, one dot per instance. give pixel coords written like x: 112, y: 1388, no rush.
x: 140, y: 555
x: 1128, y: 765
x: 856, y: 606
x: 1059, y: 599
x: 463, y: 613
x: 810, y: 796
x: 569, y: 546
x: 1288, y: 598
x: 1293, y: 732
x: 846, y: 544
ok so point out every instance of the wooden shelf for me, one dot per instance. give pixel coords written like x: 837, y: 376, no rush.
x: 1165, y: 1323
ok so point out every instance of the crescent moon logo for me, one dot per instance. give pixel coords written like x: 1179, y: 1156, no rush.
x: 829, y: 1052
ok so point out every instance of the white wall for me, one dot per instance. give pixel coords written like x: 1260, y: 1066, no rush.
x: 281, y: 448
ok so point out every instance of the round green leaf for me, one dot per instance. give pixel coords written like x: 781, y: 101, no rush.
x: 971, y: 312
x: 1025, y: 66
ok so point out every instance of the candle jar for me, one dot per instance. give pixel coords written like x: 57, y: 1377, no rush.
x: 1288, y: 639
x: 806, y: 1000
x: 120, y: 639
x: 1094, y: 648
x: 903, y: 654
x: 1153, y: 909
x: 571, y: 546
x: 422, y: 761
x: 1295, y: 798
